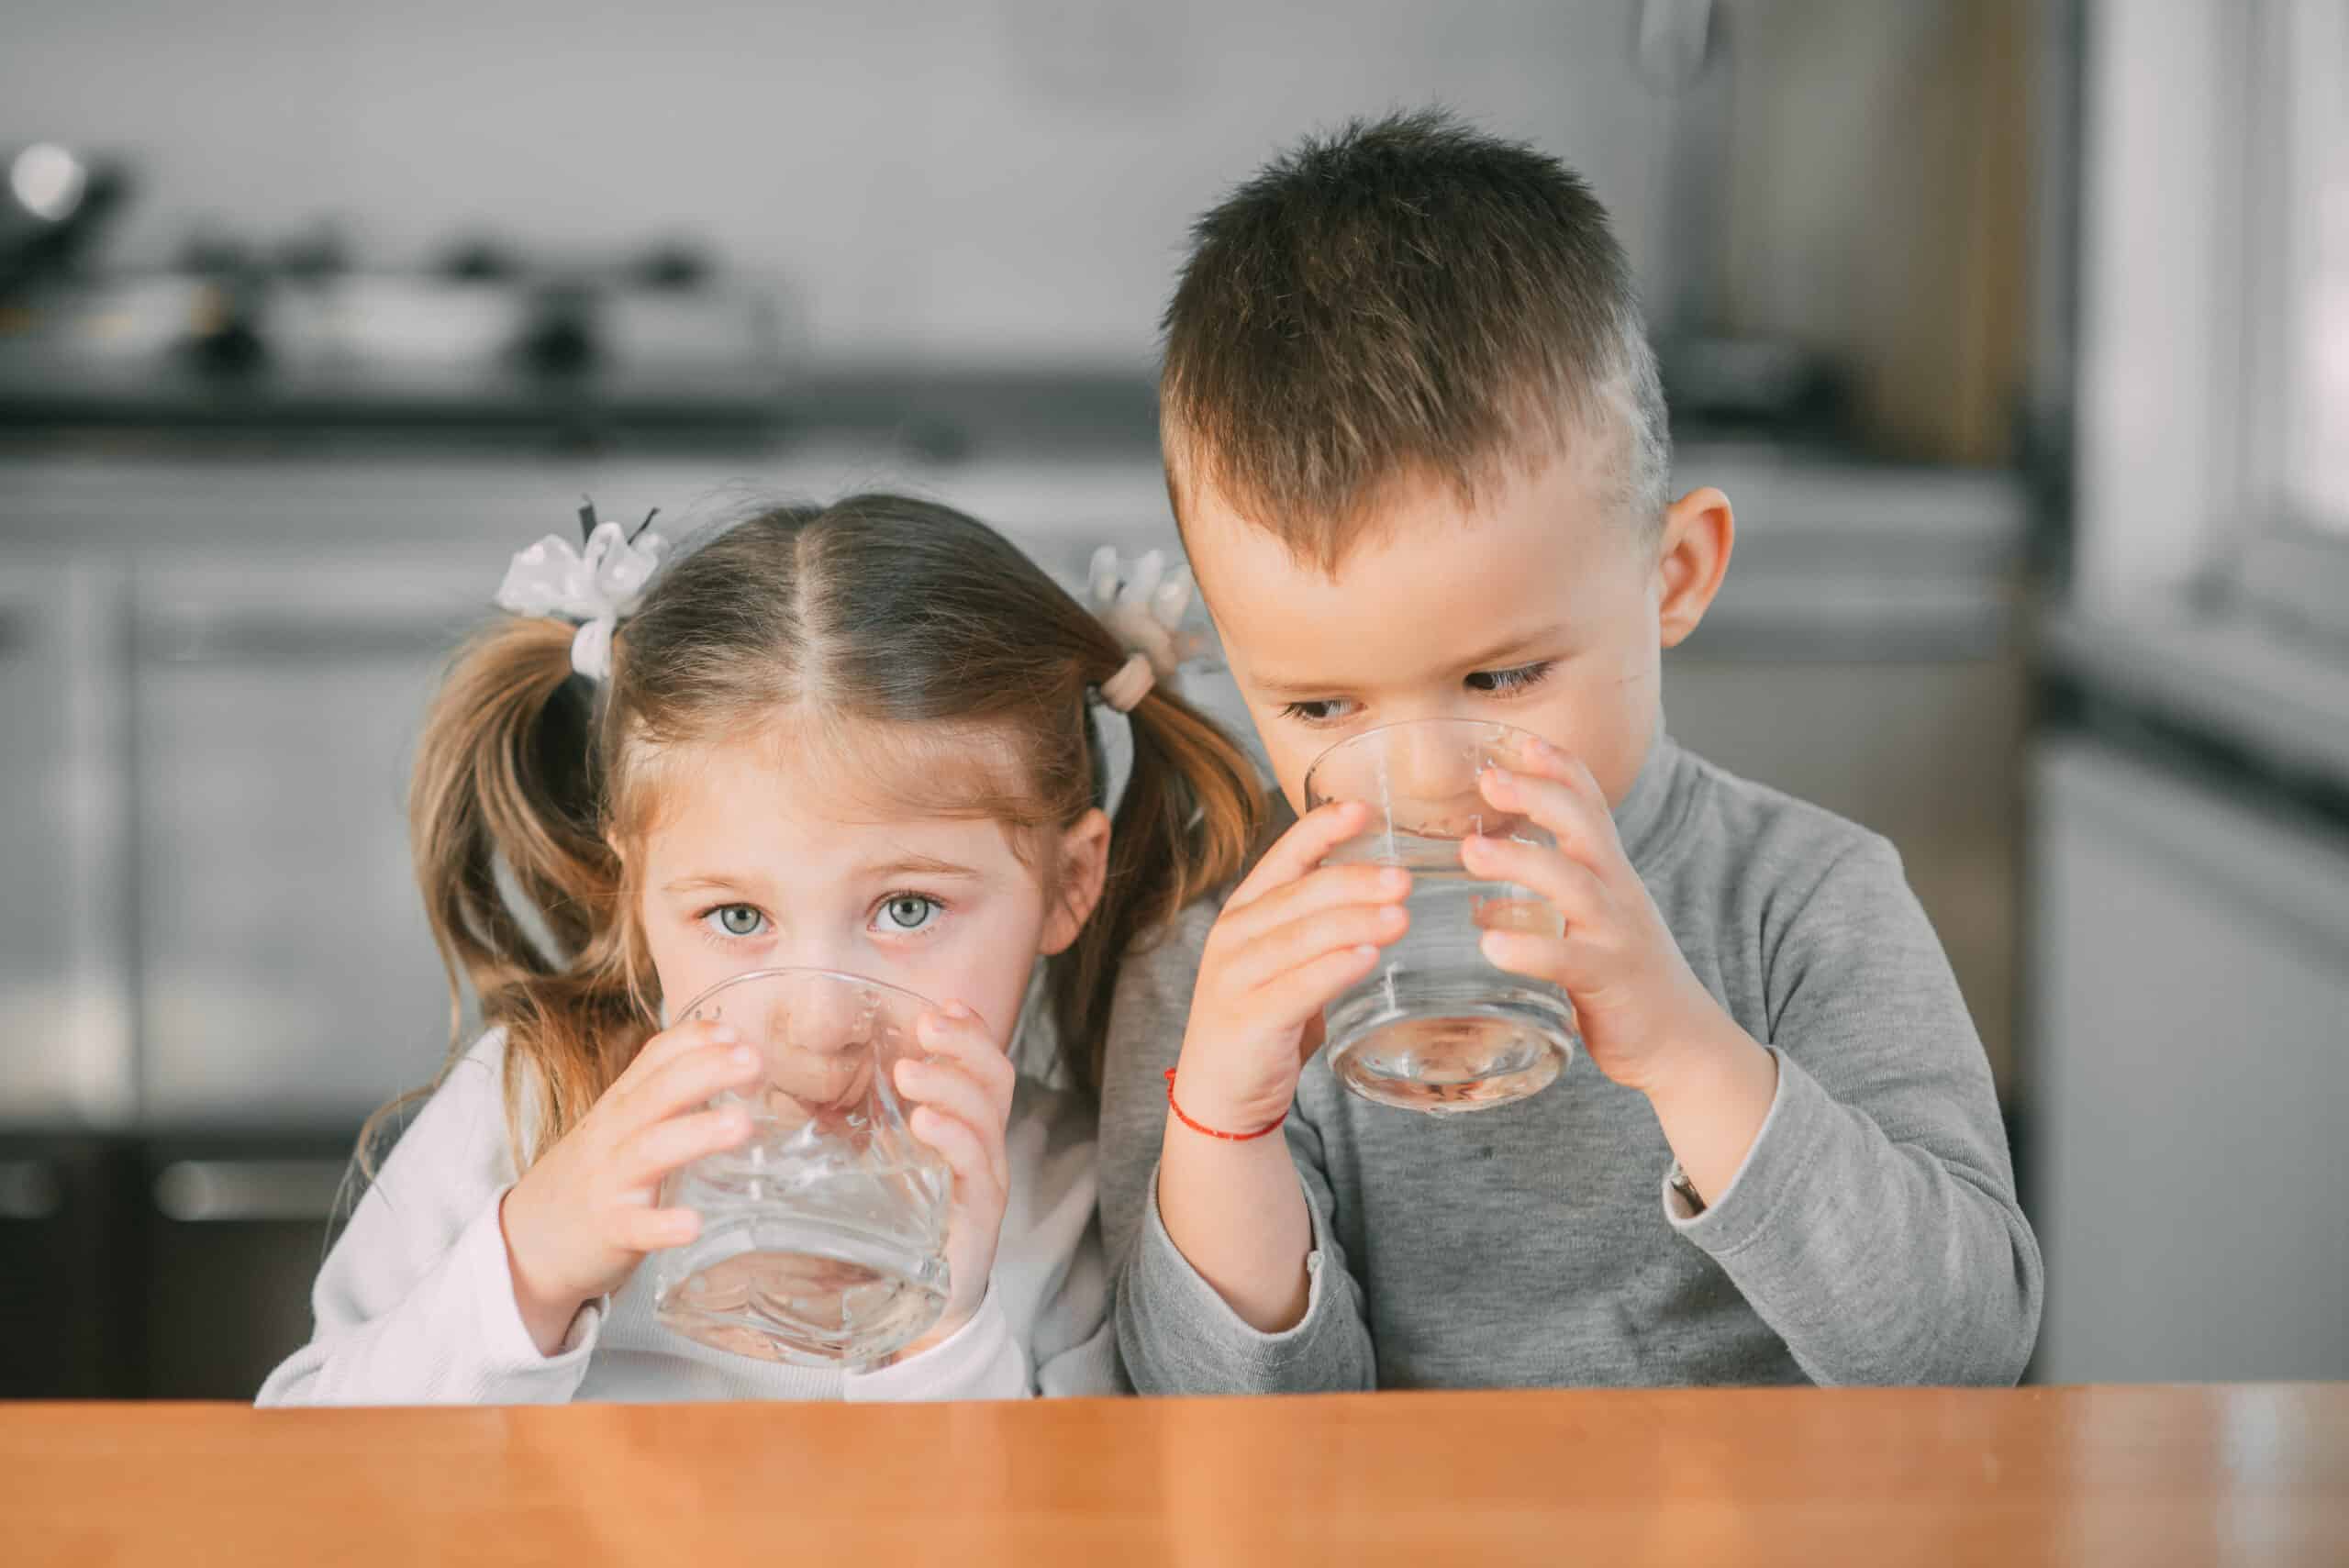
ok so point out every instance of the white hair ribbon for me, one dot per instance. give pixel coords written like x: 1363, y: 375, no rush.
x: 595, y: 586
x: 1144, y: 608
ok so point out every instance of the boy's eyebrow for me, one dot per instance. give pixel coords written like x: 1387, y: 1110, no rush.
x: 1492, y: 656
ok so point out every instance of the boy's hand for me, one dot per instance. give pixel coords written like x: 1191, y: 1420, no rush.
x: 1293, y: 934
x: 962, y: 1097
x: 1645, y: 1018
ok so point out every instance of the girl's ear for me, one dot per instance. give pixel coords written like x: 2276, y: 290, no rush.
x: 1083, y: 867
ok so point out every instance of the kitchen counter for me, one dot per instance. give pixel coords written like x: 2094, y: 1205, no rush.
x: 2243, y: 1475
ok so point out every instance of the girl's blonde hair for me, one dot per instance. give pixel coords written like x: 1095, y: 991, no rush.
x: 907, y: 647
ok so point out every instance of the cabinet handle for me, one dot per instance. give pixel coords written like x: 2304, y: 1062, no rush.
x: 192, y: 636
x: 207, y: 1192
x: 29, y: 1190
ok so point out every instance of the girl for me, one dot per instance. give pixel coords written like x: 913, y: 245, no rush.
x: 857, y: 739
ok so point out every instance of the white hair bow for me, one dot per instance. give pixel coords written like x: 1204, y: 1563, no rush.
x: 1143, y: 609
x: 595, y: 585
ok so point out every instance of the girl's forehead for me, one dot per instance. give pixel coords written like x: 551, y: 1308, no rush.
x: 768, y: 804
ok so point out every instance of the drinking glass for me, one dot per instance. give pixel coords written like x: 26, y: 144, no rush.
x: 823, y: 1237
x: 1436, y: 1027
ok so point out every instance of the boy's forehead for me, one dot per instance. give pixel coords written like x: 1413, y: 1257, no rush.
x: 1430, y: 572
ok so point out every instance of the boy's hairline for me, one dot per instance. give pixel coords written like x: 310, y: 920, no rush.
x: 1187, y: 469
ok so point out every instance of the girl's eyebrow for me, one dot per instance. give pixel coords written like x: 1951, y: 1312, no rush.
x: 710, y: 881
x: 919, y: 865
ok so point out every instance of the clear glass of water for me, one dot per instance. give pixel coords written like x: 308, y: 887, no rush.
x: 823, y: 1237
x: 1436, y: 1027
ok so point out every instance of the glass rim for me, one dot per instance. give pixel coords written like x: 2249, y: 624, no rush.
x: 806, y: 971
x: 1313, y: 768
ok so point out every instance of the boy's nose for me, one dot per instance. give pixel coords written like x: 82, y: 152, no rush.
x: 1430, y: 781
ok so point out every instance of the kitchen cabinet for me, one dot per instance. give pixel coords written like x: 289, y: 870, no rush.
x: 66, y: 1024
x: 2189, y: 1029
x: 286, y: 972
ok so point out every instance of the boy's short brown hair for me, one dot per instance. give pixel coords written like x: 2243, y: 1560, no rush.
x: 1406, y: 297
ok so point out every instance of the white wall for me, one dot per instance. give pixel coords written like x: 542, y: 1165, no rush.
x: 999, y: 178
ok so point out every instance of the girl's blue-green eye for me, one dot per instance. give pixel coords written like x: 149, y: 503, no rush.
x: 906, y: 912
x: 738, y: 919
x: 1501, y: 683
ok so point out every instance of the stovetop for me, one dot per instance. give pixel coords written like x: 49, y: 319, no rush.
x: 481, y: 341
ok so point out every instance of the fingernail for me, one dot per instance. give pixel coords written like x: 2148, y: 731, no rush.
x: 744, y: 1056
x: 1500, y: 780
x: 725, y: 1034
x: 1391, y: 916
x: 956, y: 1010
x: 1395, y: 879
x: 1365, y: 951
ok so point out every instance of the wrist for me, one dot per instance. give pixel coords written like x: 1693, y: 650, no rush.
x: 1713, y: 1105
x: 1707, y: 1055
x: 1238, y: 1106
x: 957, y: 1318
x: 547, y: 1312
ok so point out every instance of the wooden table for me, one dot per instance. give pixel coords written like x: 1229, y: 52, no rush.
x: 2133, y: 1475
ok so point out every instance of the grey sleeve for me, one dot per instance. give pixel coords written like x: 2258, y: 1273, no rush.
x: 1874, y: 1224
x: 1177, y: 1335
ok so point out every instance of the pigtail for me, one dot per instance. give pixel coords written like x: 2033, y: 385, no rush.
x: 506, y: 793
x: 1193, y: 807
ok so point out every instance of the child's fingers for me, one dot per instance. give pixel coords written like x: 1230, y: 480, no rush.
x: 689, y: 1079
x: 1536, y: 958
x: 1297, y: 996
x: 1300, y: 942
x: 943, y: 1088
x: 977, y: 1182
x: 1575, y: 888
x: 1579, y: 818
x: 1543, y: 760
x: 957, y: 1035
x: 1301, y: 849
x: 655, y: 1150
x: 636, y: 1229
x: 666, y: 1047
x: 1327, y: 888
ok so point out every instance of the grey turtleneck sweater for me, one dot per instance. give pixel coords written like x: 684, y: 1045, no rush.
x: 1872, y: 1235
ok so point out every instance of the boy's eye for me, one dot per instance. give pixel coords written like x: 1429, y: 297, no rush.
x: 903, y: 912
x: 1501, y: 683
x: 1318, y: 710
x: 738, y: 919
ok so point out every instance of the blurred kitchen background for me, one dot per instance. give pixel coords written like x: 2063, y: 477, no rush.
x: 2017, y: 330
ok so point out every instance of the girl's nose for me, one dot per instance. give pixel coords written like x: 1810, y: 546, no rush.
x: 821, y: 1039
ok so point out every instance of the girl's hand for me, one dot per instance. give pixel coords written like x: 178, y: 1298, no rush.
x: 582, y: 1218
x: 961, y: 1097
x: 1292, y: 936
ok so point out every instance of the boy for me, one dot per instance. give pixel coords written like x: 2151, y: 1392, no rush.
x: 1416, y: 445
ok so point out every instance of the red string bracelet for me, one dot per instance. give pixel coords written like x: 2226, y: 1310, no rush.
x: 1208, y: 1131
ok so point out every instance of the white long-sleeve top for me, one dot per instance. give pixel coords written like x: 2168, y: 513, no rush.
x: 415, y: 1302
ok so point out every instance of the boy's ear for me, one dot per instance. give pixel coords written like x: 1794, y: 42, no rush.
x: 1083, y: 870
x: 1691, y: 559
